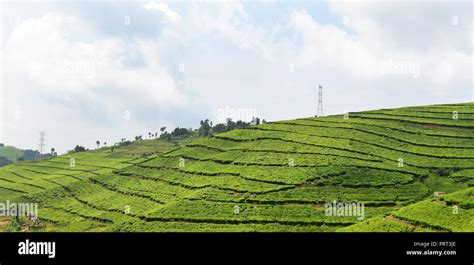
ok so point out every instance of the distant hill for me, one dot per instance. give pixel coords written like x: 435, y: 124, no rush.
x: 10, y: 154
x: 412, y: 168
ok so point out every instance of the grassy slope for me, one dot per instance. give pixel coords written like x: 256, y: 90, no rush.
x: 24, y: 181
x: 452, y: 212
x: 242, y: 180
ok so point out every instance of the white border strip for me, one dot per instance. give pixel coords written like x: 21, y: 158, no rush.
x: 1, y: 72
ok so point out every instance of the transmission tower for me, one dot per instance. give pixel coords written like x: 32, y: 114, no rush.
x: 320, y: 111
x: 42, y: 141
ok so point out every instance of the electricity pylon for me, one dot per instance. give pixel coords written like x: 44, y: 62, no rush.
x: 320, y: 111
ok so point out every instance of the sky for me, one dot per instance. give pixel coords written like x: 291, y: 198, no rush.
x: 85, y: 71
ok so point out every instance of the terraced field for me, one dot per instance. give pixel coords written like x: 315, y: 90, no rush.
x: 272, y: 177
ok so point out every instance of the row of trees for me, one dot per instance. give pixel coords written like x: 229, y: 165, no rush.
x: 206, y: 129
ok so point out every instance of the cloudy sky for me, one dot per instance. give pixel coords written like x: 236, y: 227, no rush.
x: 90, y: 71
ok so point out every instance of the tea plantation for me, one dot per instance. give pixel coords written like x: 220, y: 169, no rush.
x: 412, y: 168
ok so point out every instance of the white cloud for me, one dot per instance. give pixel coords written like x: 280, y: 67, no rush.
x: 169, y: 14
x: 52, y: 72
x: 441, y: 67
x: 331, y: 46
x: 46, y: 51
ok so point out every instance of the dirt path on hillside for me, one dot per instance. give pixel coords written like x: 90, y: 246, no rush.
x: 4, y: 223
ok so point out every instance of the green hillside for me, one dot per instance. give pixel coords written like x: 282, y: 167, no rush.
x: 271, y: 177
x: 10, y: 152
x: 452, y: 212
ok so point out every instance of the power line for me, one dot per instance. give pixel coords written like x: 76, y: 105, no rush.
x: 320, y: 111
